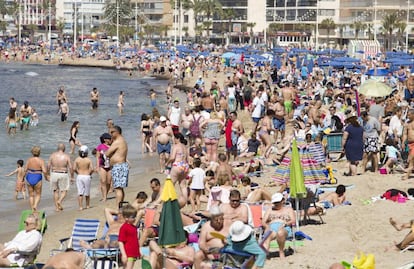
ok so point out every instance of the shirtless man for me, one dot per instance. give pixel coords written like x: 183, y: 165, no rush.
x: 209, y: 245
x: 235, y: 210
x: 117, y: 154
x: 111, y: 237
x: 25, y: 115
x: 60, y: 169
x: 279, y: 117
x: 315, y: 113
x: 408, y: 138
x: 288, y: 94
x: 186, y: 119
x: 94, y: 98
x: 121, y: 103
x: 69, y: 259
x: 237, y: 129
x: 224, y: 168
x: 60, y: 95
x: 162, y: 136
x: 83, y: 167
x: 109, y: 124
x: 13, y: 104
x: 64, y: 110
x: 335, y: 198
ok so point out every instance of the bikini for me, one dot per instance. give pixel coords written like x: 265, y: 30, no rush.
x: 182, y: 165
x: 33, y: 178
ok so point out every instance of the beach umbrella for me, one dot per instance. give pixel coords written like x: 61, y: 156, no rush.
x: 297, y: 181
x: 171, y: 232
x: 375, y: 88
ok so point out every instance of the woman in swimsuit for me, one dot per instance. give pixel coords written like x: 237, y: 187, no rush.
x: 179, y: 169
x: 102, y: 165
x: 35, y: 166
x: 11, y: 122
x: 72, y: 140
x: 212, y: 135
x: 265, y: 128
x: 146, y: 127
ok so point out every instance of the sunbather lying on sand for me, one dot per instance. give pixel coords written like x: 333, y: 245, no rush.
x: 409, y: 238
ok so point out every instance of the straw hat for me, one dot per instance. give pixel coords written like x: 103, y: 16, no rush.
x: 350, y: 114
x: 239, y: 231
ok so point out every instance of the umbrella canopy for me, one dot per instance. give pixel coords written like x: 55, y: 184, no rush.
x: 171, y: 232
x: 375, y: 88
x: 297, y: 181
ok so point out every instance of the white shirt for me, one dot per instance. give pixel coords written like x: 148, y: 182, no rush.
x: 175, y: 116
x: 257, y: 111
x: 232, y: 91
x: 197, y: 178
x: 395, y: 124
x: 23, y: 241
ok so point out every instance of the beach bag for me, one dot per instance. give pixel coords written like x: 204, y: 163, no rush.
x: 195, y: 127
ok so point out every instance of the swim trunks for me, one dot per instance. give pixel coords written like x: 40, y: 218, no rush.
x: 12, y: 125
x: 59, y: 181
x: 279, y: 124
x: 33, y: 179
x: 161, y: 148
x: 275, y: 226
x: 120, y: 172
x: 26, y: 120
x: 288, y: 106
x: 411, y: 148
x: 83, y: 182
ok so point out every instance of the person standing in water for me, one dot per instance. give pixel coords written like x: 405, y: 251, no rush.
x: 94, y: 98
x: 25, y: 115
x: 121, y: 103
x: 73, y: 133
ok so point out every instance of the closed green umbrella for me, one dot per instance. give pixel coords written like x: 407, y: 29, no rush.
x: 297, y: 182
x: 171, y: 232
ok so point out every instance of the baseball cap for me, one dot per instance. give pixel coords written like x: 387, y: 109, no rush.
x: 162, y: 118
x: 277, y: 197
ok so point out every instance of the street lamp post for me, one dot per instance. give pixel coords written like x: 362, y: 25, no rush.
x: 407, y: 28
x: 82, y: 21
x: 117, y: 24
x: 136, y: 21
x: 20, y: 23
x: 50, y: 26
x: 75, y: 22
x: 317, y: 26
x: 375, y: 20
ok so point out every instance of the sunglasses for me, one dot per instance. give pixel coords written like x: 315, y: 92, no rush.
x: 235, y: 201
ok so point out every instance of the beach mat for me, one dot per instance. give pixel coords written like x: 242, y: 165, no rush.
x: 333, y: 187
x: 297, y: 243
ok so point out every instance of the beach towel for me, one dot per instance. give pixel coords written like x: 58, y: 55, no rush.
x: 393, y: 194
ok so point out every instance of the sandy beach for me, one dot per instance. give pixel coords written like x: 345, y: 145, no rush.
x: 363, y: 226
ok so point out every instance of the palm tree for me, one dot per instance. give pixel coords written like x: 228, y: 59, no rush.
x: 185, y: 29
x: 210, y: 7
x: 125, y: 12
x: 401, y: 28
x: 207, y: 25
x: 3, y: 9
x: 358, y: 26
x: 370, y: 30
x: 228, y: 14
x: 389, y: 24
x: 272, y: 30
x: 251, y: 25
x: 196, y: 7
x: 60, y: 25
x: 328, y: 24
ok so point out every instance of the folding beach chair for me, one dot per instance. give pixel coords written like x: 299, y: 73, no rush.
x: 83, y: 230
x: 41, y: 216
x: 30, y: 256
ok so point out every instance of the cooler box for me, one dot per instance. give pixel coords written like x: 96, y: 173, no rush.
x: 334, y: 141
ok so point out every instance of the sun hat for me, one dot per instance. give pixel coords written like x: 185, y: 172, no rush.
x: 277, y: 197
x: 162, y: 118
x: 350, y: 114
x: 239, y: 231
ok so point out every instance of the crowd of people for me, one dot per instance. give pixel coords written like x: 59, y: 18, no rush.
x: 213, y: 141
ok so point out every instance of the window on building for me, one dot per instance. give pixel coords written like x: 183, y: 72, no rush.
x: 232, y: 3
x: 185, y: 18
x: 327, y: 12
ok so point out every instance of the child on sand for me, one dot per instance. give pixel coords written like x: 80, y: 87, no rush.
x: 197, y: 176
x: 392, y: 154
x: 128, y: 238
x: 84, y: 168
x: 20, y: 186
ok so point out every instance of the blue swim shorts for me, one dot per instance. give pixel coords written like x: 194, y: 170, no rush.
x: 275, y: 226
x: 164, y: 148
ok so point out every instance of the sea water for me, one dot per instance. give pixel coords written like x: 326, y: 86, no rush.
x: 38, y: 85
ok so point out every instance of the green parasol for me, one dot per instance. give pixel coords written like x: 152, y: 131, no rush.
x: 171, y: 232
x: 297, y: 182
